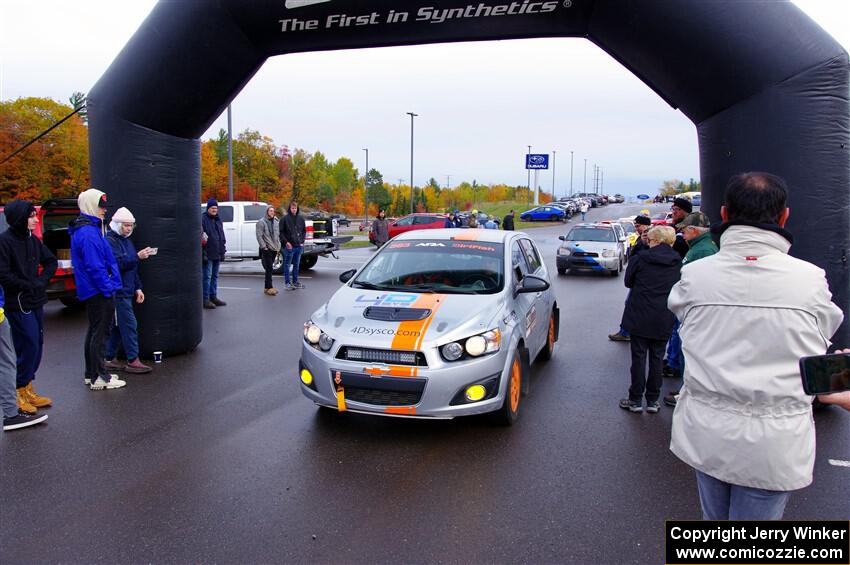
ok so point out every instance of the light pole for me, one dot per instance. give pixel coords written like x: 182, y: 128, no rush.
x: 229, y: 157
x: 366, y: 184
x: 585, y: 177
x: 571, y: 173
x: 528, y: 196
x: 412, y: 115
x: 553, y: 174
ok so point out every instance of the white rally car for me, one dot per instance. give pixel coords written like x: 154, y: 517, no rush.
x: 437, y: 324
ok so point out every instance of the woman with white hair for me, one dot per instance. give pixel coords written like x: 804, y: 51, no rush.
x: 124, y: 332
x: 650, y: 276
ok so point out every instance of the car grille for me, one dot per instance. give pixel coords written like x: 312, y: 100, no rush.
x: 585, y: 254
x: 365, y: 355
x: 382, y: 397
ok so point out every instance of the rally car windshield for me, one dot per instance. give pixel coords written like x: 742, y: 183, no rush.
x: 444, y: 266
x: 591, y: 234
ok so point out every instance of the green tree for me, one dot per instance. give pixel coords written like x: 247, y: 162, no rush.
x: 377, y: 192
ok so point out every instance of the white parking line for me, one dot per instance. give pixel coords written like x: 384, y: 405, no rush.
x: 234, y: 288
x: 839, y: 463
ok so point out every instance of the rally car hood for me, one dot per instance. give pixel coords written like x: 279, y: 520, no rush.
x: 404, y: 320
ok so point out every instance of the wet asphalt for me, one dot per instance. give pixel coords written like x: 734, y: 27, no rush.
x: 217, y: 457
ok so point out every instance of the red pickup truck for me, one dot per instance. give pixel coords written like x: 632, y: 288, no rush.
x: 54, y: 216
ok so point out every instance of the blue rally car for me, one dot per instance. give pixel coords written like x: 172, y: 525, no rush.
x: 544, y: 213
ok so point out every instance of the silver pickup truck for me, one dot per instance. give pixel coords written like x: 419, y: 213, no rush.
x: 240, y: 225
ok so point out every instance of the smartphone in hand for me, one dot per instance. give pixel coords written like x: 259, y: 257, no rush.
x: 825, y: 374
x: 153, y: 250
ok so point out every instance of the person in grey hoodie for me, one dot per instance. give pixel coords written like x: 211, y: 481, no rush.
x: 268, y: 238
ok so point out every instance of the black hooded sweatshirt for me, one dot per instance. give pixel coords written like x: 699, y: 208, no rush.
x: 651, y: 274
x: 20, y: 255
x: 292, y: 229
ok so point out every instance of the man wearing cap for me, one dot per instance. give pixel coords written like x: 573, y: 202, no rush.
x: 98, y: 279
x: 642, y: 225
x: 215, y: 247
x: 695, y: 229
x: 681, y: 207
x: 21, y: 255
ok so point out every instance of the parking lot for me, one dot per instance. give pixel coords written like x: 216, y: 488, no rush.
x: 217, y: 457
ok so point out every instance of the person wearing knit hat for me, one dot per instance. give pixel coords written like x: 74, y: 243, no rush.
x: 683, y: 203
x: 681, y: 207
x: 124, y: 332
x: 215, y: 247
x: 98, y: 279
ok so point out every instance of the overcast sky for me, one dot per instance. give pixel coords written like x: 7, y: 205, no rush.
x: 479, y: 104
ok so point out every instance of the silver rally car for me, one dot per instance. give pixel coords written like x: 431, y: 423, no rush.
x: 438, y: 324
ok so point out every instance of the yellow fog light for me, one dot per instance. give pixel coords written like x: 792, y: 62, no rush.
x: 475, y: 393
x: 306, y: 377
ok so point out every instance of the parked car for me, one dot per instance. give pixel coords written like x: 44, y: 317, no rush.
x: 438, y: 324
x: 591, y: 247
x: 54, y: 215
x: 413, y: 222
x: 662, y: 219
x: 545, y: 213
x: 240, y: 228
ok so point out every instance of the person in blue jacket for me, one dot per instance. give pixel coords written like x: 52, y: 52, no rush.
x: 125, y: 330
x: 98, y: 279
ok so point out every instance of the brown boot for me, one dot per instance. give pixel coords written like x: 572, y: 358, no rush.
x: 23, y: 402
x: 35, y: 399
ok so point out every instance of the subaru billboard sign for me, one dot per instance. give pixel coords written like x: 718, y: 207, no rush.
x: 537, y: 161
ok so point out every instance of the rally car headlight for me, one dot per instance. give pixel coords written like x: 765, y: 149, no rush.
x: 475, y: 346
x: 314, y: 335
x: 564, y: 251
x: 325, y: 342
x: 609, y: 253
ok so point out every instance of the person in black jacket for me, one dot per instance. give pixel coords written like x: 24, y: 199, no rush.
x: 681, y: 207
x: 642, y: 225
x: 21, y: 254
x: 215, y: 248
x: 650, y: 276
x: 508, y: 221
x: 292, y: 231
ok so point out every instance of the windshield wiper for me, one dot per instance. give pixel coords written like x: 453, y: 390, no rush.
x: 368, y: 285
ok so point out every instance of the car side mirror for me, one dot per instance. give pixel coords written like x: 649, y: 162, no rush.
x: 562, y: 237
x: 532, y: 283
x: 346, y: 276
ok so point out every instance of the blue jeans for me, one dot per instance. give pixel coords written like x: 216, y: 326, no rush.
x: 291, y: 257
x: 583, y: 215
x: 725, y: 501
x: 124, y: 331
x: 28, y: 337
x: 675, y: 360
x: 211, y: 279
x: 8, y: 400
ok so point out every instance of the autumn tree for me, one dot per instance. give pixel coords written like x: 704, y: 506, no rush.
x: 55, y: 165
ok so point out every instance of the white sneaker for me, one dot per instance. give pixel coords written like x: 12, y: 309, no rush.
x: 114, y: 382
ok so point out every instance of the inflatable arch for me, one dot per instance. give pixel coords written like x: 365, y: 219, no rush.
x: 765, y: 86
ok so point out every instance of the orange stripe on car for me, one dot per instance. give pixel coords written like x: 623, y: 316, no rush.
x: 409, y: 334
x: 469, y: 235
x: 400, y: 410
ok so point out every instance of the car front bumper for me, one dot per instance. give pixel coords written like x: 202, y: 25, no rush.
x: 587, y: 263
x: 426, y: 392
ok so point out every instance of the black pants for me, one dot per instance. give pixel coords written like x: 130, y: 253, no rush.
x: 101, y: 313
x: 641, y: 348
x: 267, y: 257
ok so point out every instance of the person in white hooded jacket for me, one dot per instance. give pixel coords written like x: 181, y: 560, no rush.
x: 747, y: 314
